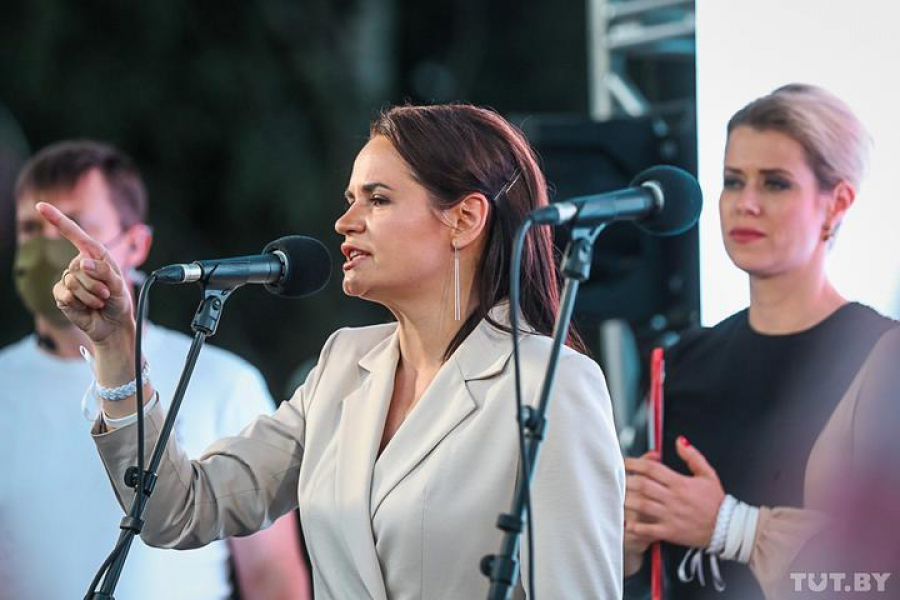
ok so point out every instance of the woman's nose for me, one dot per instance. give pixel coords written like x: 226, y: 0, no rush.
x: 350, y: 222
x: 747, y: 202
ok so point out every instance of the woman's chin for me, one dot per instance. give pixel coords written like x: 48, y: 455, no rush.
x: 749, y: 263
x: 353, y: 287
x: 759, y: 269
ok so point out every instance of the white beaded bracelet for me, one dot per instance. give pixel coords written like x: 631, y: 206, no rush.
x: 121, y: 392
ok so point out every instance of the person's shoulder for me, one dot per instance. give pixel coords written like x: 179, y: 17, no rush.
x: 874, y: 404
x: 222, y: 382
x: 157, y: 335
x: 173, y: 345
x: 853, y: 330
x: 724, y: 328
x: 535, y: 349
x: 700, y: 341
x: 579, y: 386
x: 883, y: 357
x: 890, y: 341
x: 863, y: 316
x: 18, y: 353
x: 355, y: 342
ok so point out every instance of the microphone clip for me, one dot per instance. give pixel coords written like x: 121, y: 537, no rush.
x: 209, y: 313
x: 580, y: 251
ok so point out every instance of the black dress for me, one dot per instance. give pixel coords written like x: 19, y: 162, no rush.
x: 754, y: 405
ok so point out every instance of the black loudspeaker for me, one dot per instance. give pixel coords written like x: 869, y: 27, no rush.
x: 652, y: 282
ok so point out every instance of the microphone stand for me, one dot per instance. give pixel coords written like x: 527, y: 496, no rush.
x: 205, y: 322
x: 502, y: 569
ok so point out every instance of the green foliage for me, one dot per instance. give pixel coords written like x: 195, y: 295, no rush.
x: 245, y: 116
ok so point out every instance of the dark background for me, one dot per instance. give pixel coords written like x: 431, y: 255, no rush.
x: 244, y: 118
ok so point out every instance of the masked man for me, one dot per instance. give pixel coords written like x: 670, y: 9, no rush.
x: 58, y: 516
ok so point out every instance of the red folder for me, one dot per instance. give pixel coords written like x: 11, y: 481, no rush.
x: 655, y: 428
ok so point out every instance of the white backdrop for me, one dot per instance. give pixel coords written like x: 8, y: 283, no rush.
x: 746, y: 49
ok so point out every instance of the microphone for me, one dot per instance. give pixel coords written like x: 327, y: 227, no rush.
x: 293, y: 266
x: 662, y: 200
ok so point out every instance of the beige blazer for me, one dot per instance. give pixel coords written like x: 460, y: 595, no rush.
x: 415, y: 521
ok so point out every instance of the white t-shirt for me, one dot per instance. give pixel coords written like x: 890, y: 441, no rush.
x: 58, y: 515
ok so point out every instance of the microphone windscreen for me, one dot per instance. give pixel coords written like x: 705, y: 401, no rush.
x: 682, y: 200
x: 308, y: 266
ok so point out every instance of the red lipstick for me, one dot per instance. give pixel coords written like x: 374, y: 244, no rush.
x: 745, y: 235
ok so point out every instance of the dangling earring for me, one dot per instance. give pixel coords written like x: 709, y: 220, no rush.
x: 827, y: 233
x: 456, y: 307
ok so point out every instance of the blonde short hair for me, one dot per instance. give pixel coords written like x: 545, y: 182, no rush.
x: 836, y: 143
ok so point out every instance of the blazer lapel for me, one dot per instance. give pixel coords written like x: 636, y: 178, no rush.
x: 443, y: 406
x: 359, y: 435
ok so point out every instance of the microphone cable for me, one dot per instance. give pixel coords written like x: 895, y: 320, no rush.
x: 515, y: 270
x: 139, y: 402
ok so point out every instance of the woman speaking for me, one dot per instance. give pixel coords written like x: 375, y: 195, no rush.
x: 401, y: 446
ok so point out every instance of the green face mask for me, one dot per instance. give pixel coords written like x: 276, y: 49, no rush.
x: 38, y: 266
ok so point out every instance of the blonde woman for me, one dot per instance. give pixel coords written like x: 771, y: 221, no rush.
x: 747, y: 399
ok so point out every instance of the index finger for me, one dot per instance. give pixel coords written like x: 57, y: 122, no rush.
x: 71, y: 231
x: 653, y: 470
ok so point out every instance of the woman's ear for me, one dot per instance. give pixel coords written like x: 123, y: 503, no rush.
x: 842, y: 198
x: 469, y: 218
